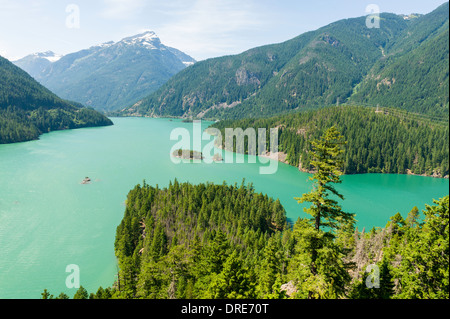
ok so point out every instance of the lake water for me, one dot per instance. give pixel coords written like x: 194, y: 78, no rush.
x: 49, y: 220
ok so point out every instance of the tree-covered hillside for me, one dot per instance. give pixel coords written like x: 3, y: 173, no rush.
x: 27, y: 109
x: 402, y: 64
x: 184, y: 241
x: 387, y: 141
x: 413, y: 73
x: 227, y: 242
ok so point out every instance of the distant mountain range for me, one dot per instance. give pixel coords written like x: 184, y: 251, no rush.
x: 27, y: 109
x: 109, y: 76
x: 402, y: 64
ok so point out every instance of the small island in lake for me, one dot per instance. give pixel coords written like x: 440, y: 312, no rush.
x: 188, y: 154
x: 217, y: 158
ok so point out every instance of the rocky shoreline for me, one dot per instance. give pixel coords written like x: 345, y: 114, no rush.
x: 188, y: 154
x: 281, y: 157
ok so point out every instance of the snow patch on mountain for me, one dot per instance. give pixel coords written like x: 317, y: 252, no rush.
x: 147, y: 39
x: 49, y: 55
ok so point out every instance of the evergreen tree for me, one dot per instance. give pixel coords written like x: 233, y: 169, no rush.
x: 81, y: 293
x: 270, y: 271
x: 413, y: 217
x: 424, y: 269
x: 218, y: 252
x: 46, y: 295
x: 62, y: 296
x: 233, y: 282
x: 385, y: 290
x: 323, y: 256
x: 327, y: 154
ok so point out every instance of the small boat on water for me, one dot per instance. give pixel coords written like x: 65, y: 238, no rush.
x: 87, y: 180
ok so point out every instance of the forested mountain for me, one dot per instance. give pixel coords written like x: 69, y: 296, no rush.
x: 111, y: 75
x: 387, y: 141
x: 413, y: 73
x: 27, y: 109
x: 227, y: 242
x: 403, y: 64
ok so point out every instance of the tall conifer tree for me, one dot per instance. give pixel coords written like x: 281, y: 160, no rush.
x: 326, y: 275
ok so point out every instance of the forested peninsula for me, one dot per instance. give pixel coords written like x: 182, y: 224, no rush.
x: 378, y: 140
x: 187, y: 242
x: 27, y: 109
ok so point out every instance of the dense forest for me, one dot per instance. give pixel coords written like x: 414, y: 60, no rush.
x: 211, y: 241
x: 192, y: 242
x: 383, y: 142
x: 17, y: 125
x: 27, y: 109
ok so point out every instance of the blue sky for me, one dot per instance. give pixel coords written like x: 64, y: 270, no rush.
x: 201, y: 28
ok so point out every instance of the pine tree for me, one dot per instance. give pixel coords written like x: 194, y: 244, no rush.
x: 81, y: 293
x: 218, y: 252
x: 269, y: 270
x: 46, y: 295
x: 62, y: 296
x: 320, y: 253
x: 424, y: 268
x: 233, y: 282
x: 328, y: 163
x: 413, y: 217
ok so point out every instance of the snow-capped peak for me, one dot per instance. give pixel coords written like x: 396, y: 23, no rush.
x: 148, y: 39
x: 49, y: 55
x: 106, y: 44
x: 146, y: 36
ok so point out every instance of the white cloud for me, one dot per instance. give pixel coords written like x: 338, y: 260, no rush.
x: 209, y: 28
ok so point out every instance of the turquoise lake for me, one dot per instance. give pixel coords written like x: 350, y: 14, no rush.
x: 49, y: 220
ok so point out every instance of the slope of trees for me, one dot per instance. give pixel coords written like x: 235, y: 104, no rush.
x: 17, y: 125
x: 414, y: 260
x: 416, y: 81
x: 408, y: 259
x: 200, y: 241
x: 27, y: 109
x: 376, y: 142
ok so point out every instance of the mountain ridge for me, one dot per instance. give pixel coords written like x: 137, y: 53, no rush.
x: 319, y: 68
x: 112, y: 74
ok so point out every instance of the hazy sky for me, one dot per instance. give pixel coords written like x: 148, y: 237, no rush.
x: 201, y: 28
